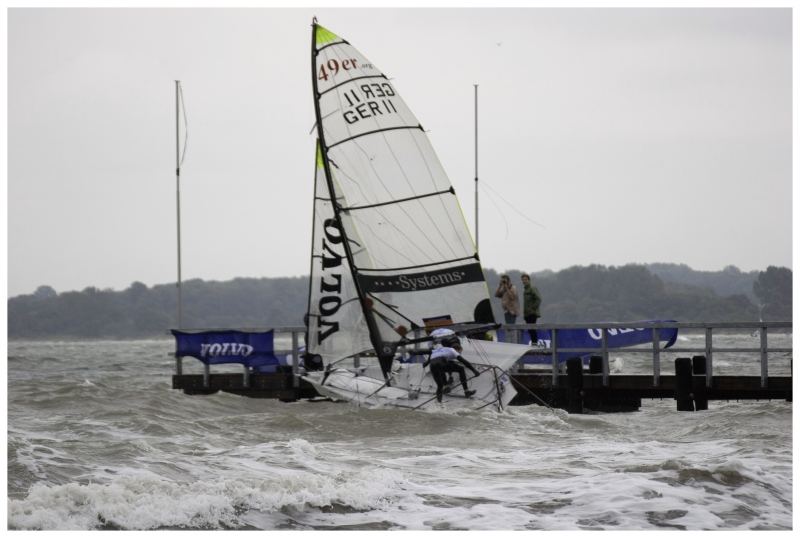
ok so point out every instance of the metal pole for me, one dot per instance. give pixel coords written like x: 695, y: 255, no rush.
x: 656, y: 357
x: 178, y: 192
x: 605, y: 356
x: 296, y: 361
x: 764, y: 357
x: 476, y: 168
x: 554, y: 355
x: 709, y: 355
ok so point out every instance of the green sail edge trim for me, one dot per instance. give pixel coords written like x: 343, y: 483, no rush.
x: 320, y: 163
x: 325, y: 36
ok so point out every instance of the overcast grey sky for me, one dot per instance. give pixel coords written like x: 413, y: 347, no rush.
x: 629, y: 135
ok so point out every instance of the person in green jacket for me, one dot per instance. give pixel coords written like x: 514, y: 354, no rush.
x: 531, y: 301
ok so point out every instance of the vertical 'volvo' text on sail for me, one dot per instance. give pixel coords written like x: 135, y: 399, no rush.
x: 336, y: 326
x: 411, y: 255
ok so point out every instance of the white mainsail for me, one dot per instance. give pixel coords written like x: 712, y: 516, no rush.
x: 392, y: 254
x: 412, y: 257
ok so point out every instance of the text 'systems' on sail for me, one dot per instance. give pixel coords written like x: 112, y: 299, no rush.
x: 411, y: 258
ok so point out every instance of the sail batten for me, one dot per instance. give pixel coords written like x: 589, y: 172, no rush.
x: 351, y: 80
x: 376, y: 131
x: 400, y: 201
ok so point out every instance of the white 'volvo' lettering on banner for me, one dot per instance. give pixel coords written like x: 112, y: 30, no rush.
x: 597, y: 334
x: 225, y: 349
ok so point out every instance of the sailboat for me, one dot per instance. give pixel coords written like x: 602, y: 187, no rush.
x: 392, y: 258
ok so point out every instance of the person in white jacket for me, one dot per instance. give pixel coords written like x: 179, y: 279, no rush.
x: 445, y: 359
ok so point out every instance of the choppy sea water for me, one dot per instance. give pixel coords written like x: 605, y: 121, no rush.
x: 97, y: 439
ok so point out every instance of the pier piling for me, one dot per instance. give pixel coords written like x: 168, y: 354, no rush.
x: 683, y: 384
x: 699, y: 389
x: 575, y: 385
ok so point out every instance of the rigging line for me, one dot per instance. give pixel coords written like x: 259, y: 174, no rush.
x: 485, y: 184
x: 397, y: 201
x: 386, y: 319
x: 487, y: 404
x: 386, y: 384
x: 341, y: 172
x: 351, y: 356
x: 499, y: 211
x: 319, y: 315
x: 392, y: 308
x: 497, y: 390
x: 519, y: 384
x: 185, y: 126
x: 331, y: 113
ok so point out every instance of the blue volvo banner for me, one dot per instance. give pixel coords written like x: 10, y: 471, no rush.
x: 254, y: 349
x: 588, y: 339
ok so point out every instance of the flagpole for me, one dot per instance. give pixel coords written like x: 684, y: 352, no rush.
x: 476, y: 168
x: 178, y: 193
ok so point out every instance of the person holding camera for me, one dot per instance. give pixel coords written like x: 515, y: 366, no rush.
x: 508, y: 298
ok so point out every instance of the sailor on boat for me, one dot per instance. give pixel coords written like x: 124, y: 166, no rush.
x: 445, y: 359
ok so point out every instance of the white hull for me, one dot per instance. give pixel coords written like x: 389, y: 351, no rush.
x: 413, y: 387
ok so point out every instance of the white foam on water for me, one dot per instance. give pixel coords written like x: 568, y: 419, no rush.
x: 150, y: 458
x: 146, y: 501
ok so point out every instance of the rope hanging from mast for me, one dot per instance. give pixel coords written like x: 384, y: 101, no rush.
x: 185, y: 126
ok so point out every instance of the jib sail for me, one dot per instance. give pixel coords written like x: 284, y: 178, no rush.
x: 412, y: 259
x: 336, y: 325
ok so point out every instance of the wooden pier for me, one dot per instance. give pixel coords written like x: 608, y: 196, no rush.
x: 574, y: 388
x: 624, y: 393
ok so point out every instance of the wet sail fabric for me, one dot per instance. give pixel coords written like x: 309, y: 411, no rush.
x: 253, y: 349
x: 336, y: 325
x: 413, y: 258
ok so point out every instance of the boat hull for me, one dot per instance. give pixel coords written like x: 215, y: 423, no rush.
x: 412, y: 386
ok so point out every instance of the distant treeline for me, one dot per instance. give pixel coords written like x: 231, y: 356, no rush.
x: 578, y: 294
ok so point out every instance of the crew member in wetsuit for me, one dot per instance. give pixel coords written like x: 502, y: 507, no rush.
x: 445, y: 359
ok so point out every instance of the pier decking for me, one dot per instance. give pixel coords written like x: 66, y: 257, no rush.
x: 692, y: 382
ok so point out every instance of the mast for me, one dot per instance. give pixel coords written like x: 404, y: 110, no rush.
x: 178, y: 192
x: 385, y: 353
x: 476, y: 167
x: 307, y: 318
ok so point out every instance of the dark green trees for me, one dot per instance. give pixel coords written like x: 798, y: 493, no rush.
x: 773, y: 288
